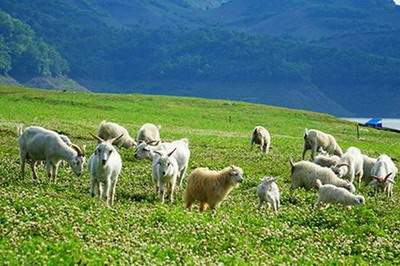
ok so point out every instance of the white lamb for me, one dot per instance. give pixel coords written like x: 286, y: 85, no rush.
x: 105, y: 165
x: 110, y: 130
x: 332, y: 194
x: 316, y: 140
x: 39, y: 144
x: 383, y: 173
x: 268, y: 191
x: 165, y: 174
x: 261, y: 137
x: 149, y: 133
x: 351, y: 165
x: 305, y: 173
x: 181, y: 155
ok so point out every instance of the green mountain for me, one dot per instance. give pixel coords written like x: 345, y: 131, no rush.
x: 330, y: 56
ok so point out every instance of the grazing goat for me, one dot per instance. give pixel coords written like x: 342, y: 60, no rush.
x: 104, y: 167
x: 211, y: 187
x: 268, y: 191
x: 316, y: 140
x: 149, y: 133
x: 165, y: 174
x: 367, y: 167
x: 305, y: 173
x: 327, y: 160
x: 261, y: 136
x: 332, y: 194
x: 351, y: 165
x: 39, y: 144
x: 110, y: 130
x: 181, y: 155
x: 383, y: 173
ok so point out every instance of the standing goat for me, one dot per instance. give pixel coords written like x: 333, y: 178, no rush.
x: 104, y: 167
x: 181, y: 155
x: 268, y: 191
x: 39, y: 144
x: 110, y: 130
x: 383, y: 173
x: 261, y: 136
x: 165, y: 174
x: 211, y: 187
x: 316, y: 140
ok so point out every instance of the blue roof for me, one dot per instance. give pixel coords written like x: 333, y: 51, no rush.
x: 374, y: 121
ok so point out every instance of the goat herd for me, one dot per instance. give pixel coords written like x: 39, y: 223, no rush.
x: 330, y: 170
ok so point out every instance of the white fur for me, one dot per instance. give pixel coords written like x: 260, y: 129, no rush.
x: 181, y: 155
x: 332, y: 194
x: 351, y: 164
x: 305, y: 174
x: 39, y: 144
x: 268, y: 191
x: 149, y: 133
x: 316, y: 140
x: 326, y: 160
x: 165, y: 174
x: 110, y: 130
x: 104, y: 165
x: 261, y: 137
x: 381, y: 169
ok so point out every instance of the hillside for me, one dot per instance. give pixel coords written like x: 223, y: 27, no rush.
x: 59, y: 223
x: 337, y: 56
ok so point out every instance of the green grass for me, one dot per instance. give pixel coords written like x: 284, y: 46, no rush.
x: 53, y: 223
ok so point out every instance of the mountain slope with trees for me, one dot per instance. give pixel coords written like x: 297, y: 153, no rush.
x: 295, y: 53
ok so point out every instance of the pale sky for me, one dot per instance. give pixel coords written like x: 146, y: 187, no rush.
x: 397, y: 2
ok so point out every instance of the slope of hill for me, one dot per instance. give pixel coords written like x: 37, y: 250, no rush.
x: 59, y: 223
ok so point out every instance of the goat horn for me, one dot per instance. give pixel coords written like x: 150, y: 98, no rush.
x: 343, y: 164
x: 77, y: 149
x: 96, y: 137
x: 169, y: 154
x: 112, y: 141
x: 386, y: 177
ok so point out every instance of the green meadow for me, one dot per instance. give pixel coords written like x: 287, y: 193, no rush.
x: 43, y: 222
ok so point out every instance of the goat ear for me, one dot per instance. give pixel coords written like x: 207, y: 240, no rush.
x: 96, y: 137
x: 291, y: 162
x: 112, y: 141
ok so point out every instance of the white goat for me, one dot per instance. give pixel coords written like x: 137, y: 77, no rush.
x: 316, y: 140
x: 104, y: 167
x: 39, y: 144
x: 110, y: 130
x: 367, y: 167
x: 261, y: 136
x: 383, y: 173
x: 268, y: 191
x: 181, y: 155
x: 305, y: 173
x: 165, y: 174
x: 149, y: 133
x: 351, y: 164
x: 326, y: 160
x: 332, y: 194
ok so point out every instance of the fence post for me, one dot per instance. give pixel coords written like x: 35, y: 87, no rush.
x: 358, y: 131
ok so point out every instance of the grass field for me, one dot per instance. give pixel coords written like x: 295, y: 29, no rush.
x: 59, y: 223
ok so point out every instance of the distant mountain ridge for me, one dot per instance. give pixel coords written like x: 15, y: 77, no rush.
x: 294, y: 53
